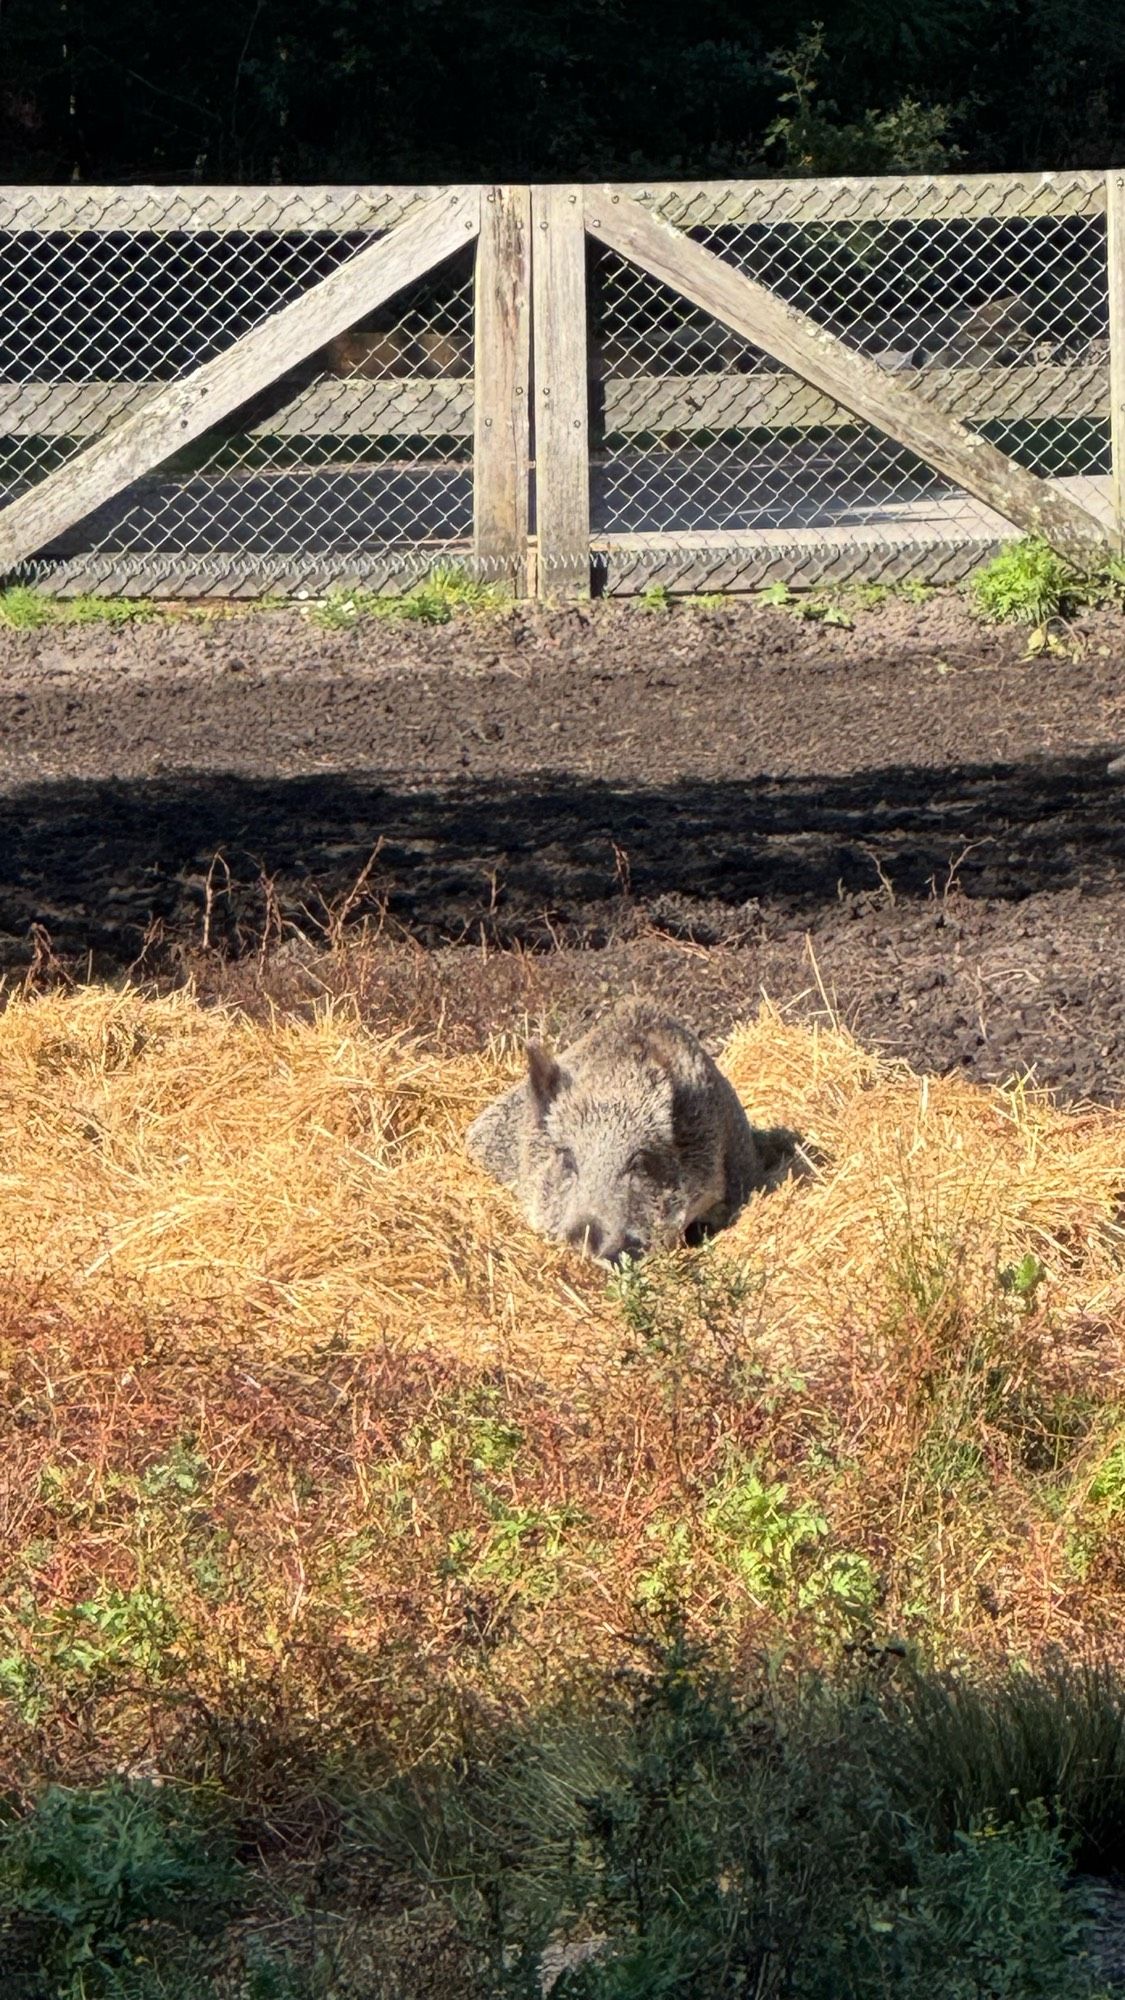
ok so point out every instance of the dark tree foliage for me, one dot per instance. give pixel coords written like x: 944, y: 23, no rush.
x: 418, y: 90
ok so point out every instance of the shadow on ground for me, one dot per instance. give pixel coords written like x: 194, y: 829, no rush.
x: 98, y: 864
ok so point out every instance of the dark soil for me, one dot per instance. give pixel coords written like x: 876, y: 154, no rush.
x: 909, y: 818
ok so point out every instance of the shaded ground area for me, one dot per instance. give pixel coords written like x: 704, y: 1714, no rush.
x: 909, y: 817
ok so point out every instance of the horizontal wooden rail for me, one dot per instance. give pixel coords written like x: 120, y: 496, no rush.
x: 909, y: 198
x: 288, y: 210
x: 401, y: 406
x: 163, y: 211
x: 782, y: 401
x: 416, y: 406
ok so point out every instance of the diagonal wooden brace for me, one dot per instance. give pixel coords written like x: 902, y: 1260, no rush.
x: 791, y: 337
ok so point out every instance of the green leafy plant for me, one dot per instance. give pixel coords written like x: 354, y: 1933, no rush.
x: 1023, y: 1280
x: 808, y: 136
x: 1028, y: 583
x: 777, y: 1545
x: 111, y: 1879
x: 991, y: 1916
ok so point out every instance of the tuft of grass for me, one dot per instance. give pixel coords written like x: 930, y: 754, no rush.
x: 980, y: 1749
x: 680, y: 1831
x: 437, y: 599
x: 25, y: 609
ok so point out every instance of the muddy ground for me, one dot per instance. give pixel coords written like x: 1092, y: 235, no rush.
x: 531, y: 812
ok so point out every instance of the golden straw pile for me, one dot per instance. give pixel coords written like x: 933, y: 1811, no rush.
x: 307, y: 1180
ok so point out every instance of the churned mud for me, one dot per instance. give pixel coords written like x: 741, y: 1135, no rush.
x: 523, y: 814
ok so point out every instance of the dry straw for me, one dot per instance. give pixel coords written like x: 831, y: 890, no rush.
x: 307, y: 1178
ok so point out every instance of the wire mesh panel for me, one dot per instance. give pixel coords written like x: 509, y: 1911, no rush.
x: 987, y: 298
x: 356, y: 465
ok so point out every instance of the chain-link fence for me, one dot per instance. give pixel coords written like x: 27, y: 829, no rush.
x: 711, y: 464
x: 708, y: 464
x: 355, y: 463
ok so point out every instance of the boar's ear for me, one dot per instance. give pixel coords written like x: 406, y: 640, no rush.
x: 690, y: 1118
x: 544, y: 1076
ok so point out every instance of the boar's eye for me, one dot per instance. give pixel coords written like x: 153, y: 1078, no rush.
x: 646, y: 1164
x: 567, y: 1162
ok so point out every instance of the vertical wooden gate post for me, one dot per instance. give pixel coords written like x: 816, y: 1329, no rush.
x: 502, y: 367
x: 562, y: 443
x: 1115, y: 257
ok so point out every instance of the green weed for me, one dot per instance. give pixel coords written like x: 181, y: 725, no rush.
x: 1023, y: 1280
x: 1029, y: 583
x: 873, y: 596
x: 435, y: 600
x: 71, y: 1650
x: 836, y: 606
x: 113, y: 1880
x: 776, y: 1545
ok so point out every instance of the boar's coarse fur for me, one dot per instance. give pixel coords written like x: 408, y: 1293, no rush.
x: 627, y: 1139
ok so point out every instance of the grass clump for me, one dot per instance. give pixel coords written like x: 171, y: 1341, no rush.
x: 436, y: 600
x: 25, y: 609
x: 684, y: 1831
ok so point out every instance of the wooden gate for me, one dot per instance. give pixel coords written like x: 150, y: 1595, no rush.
x: 720, y: 425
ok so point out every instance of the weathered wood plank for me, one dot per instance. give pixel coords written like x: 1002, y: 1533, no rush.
x: 502, y: 342
x: 875, y: 396
x: 412, y: 406
x: 1115, y: 256
x: 707, y: 402
x: 400, y: 406
x: 562, y: 466
x: 288, y: 211
x: 292, y: 210
x: 889, y: 198
x: 187, y: 408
